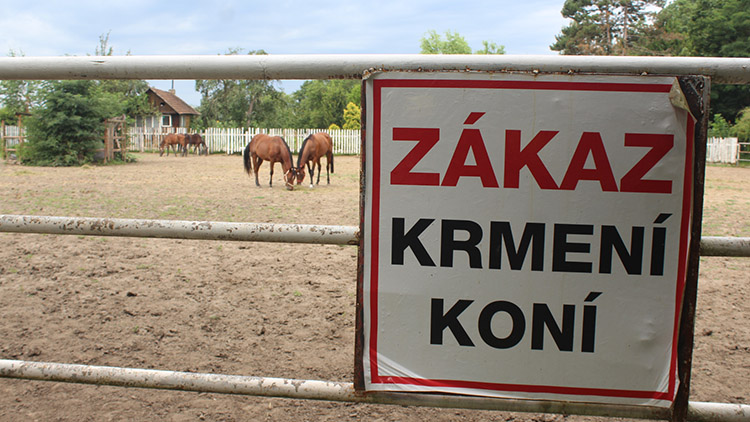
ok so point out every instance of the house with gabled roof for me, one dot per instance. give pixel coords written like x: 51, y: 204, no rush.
x: 172, y: 111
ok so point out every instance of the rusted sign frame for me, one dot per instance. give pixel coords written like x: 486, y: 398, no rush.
x: 696, y: 93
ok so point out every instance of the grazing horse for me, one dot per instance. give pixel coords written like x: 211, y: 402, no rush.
x: 173, y: 139
x: 196, y: 141
x: 313, y: 148
x: 273, y: 149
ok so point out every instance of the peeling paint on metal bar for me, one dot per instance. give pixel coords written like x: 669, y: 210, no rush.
x: 725, y: 246
x: 255, y: 232
x: 338, y: 391
x: 175, y: 229
x: 353, y: 66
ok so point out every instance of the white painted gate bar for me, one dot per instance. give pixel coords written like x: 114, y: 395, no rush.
x: 338, y: 391
x: 250, y: 232
x: 352, y: 66
x: 176, y: 229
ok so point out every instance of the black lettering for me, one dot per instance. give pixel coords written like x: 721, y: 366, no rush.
x: 658, y: 244
x: 501, y: 233
x: 561, y: 247
x: 448, y: 244
x: 439, y: 322
x: 589, y: 324
x: 401, y: 241
x: 542, y: 317
x: 632, y: 261
x: 485, y: 324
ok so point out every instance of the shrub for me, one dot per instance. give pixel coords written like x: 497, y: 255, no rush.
x: 67, y: 129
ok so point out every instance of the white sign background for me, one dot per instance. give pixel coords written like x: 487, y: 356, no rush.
x: 634, y: 361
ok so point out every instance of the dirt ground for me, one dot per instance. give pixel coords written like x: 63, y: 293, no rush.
x: 276, y: 310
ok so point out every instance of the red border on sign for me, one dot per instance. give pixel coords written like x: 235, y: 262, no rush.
x: 376, y: 378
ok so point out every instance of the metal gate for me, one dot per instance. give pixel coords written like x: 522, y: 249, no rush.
x: 722, y: 70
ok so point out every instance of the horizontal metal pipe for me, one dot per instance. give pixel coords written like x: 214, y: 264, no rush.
x: 725, y: 246
x: 336, y: 66
x: 174, y: 229
x: 257, y: 232
x: 338, y: 391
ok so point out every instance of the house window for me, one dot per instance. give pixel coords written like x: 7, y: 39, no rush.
x: 166, y: 120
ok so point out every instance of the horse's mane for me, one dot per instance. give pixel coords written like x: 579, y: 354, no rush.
x: 291, y: 158
x: 302, y: 149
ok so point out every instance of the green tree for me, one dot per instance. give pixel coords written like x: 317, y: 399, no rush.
x: 123, y: 96
x: 454, y: 43
x: 433, y: 43
x: 352, y: 117
x: 708, y: 28
x: 742, y: 128
x: 67, y: 128
x: 319, y: 103
x: 17, y: 96
x: 720, y: 128
x: 491, y: 48
x: 604, y: 27
x: 8, y: 116
x: 238, y: 103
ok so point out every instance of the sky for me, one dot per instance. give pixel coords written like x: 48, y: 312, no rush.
x: 148, y: 27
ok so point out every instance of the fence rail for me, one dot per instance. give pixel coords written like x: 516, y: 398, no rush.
x: 10, y: 137
x: 722, y: 150
x: 234, y: 140
x: 744, y: 154
x: 731, y: 70
x: 338, y: 391
x: 252, y: 232
x: 231, y: 141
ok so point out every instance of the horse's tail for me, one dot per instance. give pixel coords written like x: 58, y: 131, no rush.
x: 246, y: 160
x: 331, y: 143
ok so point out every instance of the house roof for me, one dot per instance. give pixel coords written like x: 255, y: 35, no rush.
x: 173, y: 101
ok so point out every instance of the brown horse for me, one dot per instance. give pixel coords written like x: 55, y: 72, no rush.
x: 196, y: 141
x: 313, y: 148
x: 273, y: 149
x: 176, y: 140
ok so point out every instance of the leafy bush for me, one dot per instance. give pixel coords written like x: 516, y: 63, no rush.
x: 742, y: 128
x: 67, y: 129
x: 720, y: 128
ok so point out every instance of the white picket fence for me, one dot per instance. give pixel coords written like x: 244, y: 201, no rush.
x: 11, y: 135
x: 345, y: 142
x: 722, y: 150
x: 234, y: 140
x: 148, y: 139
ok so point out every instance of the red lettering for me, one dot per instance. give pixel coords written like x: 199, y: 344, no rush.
x: 517, y: 158
x: 590, y: 143
x: 426, y: 139
x: 471, y: 139
x: 660, y: 145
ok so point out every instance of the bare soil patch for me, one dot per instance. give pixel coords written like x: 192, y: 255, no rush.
x: 265, y: 309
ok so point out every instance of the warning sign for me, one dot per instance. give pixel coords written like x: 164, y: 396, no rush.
x: 525, y: 236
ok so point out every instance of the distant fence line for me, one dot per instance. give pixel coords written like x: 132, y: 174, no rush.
x: 11, y: 136
x: 722, y: 150
x: 347, y: 142
x: 234, y: 140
